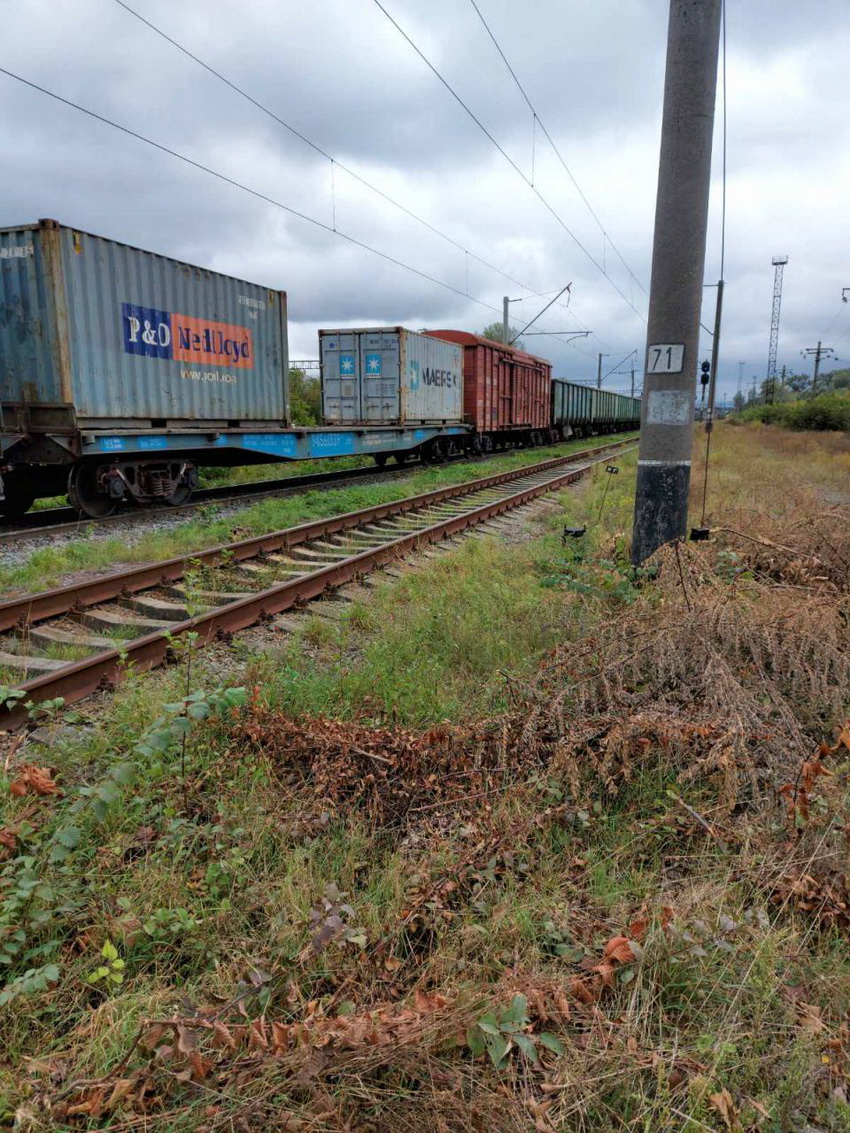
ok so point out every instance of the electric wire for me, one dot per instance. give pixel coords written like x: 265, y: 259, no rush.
x: 619, y: 364
x: 539, y: 313
x: 313, y: 145
x: 537, y: 121
x: 835, y: 318
x: 334, y: 161
x: 258, y: 194
x: 245, y: 188
x: 553, y: 212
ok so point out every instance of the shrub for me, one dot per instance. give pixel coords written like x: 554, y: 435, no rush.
x: 830, y: 411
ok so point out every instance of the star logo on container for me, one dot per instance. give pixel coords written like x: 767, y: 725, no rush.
x: 346, y: 363
x: 373, y: 364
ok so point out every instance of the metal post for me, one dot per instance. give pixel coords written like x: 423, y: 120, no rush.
x: 678, y: 261
x: 715, y: 355
x: 506, y: 333
x: 633, y: 382
x: 598, y: 371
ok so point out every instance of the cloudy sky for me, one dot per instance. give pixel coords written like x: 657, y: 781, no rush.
x: 339, y: 73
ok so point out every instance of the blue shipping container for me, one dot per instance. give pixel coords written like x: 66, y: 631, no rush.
x: 100, y: 334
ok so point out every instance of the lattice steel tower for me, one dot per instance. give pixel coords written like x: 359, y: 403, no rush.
x: 779, y: 263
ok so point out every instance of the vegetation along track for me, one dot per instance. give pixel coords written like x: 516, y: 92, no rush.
x: 65, y: 520
x: 137, y: 615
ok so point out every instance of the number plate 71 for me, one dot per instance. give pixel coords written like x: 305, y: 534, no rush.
x: 665, y: 358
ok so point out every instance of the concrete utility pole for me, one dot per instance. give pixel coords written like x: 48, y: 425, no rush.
x: 506, y: 333
x: 599, y: 370
x: 678, y: 263
x: 633, y: 382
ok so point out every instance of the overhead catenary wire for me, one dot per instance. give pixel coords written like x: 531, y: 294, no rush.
x: 553, y: 212
x: 619, y: 364
x: 538, y: 121
x: 334, y: 161
x: 842, y: 308
x: 539, y: 313
x: 253, y: 192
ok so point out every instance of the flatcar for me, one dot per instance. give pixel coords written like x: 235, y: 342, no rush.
x: 123, y: 371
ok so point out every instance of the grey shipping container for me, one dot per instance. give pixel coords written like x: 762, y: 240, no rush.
x: 94, y: 333
x: 389, y: 376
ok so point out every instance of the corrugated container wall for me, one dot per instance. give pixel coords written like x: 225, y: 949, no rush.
x: 389, y: 376
x: 570, y: 403
x: 504, y: 388
x: 129, y: 337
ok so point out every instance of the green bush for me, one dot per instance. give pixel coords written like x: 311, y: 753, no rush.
x: 830, y: 411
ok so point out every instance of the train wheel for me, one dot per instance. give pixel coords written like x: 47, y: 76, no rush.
x: 380, y: 458
x: 182, y: 495
x: 401, y: 457
x: 83, y: 494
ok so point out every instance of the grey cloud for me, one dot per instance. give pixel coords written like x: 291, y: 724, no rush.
x: 340, y: 73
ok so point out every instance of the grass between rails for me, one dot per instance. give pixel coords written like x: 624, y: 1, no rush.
x: 47, y: 566
x: 590, y: 870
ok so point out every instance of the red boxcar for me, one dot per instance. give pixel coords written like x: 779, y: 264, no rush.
x: 505, y: 391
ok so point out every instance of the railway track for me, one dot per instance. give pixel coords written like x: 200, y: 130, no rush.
x: 70, y: 641
x: 67, y: 521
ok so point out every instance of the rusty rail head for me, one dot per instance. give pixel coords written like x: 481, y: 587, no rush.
x: 31, y: 608
x: 81, y: 678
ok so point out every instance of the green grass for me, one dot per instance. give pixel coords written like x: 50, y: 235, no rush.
x: 533, y: 879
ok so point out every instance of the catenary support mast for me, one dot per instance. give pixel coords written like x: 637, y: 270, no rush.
x: 678, y: 261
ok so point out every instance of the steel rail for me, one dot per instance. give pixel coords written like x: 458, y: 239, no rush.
x: 64, y: 520
x: 30, y: 608
x: 106, y: 668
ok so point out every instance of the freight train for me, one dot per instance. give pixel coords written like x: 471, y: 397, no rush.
x: 123, y: 371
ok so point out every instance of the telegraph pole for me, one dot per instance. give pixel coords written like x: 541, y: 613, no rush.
x: 599, y: 370
x: 819, y: 351
x: 678, y: 263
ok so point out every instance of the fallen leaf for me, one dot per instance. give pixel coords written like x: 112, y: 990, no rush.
x: 606, y: 971
x: 724, y: 1105
x: 580, y: 989
x: 809, y: 1018
x: 119, y: 1091
x: 637, y: 929
x: 618, y: 950
x: 187, y: 1040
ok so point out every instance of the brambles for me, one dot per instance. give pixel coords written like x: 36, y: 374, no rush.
x: 350, y: 919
